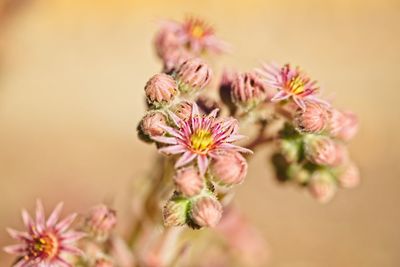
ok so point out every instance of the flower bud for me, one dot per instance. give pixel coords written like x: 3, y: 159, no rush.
x: 183, y: 110
x: 350, y: 177
x: 161, y: 88
x: 297, y: 173
x: 206, y: 104
x: 290, y: 149
x: 229, y: 168
x: 101, y: 221
x: 343, y: 125
x: 175, y: 211
x: 150, y: 124
x: 206, y: 212
x: 247, y: 90
x: 320, y: 150
x: 173, y: 58
x: 225, y: 89
x: 103, y: 262
x: 193, y: 74
x: 188, y: 181
x: 322, y: 186
x: 314, y: 119
x: 341, y: 154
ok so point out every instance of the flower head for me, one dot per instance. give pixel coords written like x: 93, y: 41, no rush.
x: 201, y: 137
x: 314, y: 119
x: 101, y: 221
x: 192, y: 74
x: 150, y: 124
x: 291, y: 83
x: 45, y: 242
x: 194, y: 34
x: 161, y: 88
x: 343, y: 125
x: 248, y: 90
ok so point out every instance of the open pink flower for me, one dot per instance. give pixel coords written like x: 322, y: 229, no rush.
x: 201, y: 137
x: 290, y: 83
x: 45, y: 241
x: 193, y: 34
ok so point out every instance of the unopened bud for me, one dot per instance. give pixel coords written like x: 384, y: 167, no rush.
x: 189, y: 181
x: 206, y: 212
x: 322, y: 186
x: 101, y: 221
x: 183, y: 110
x: 320, y: 150
x: 314, y: 119
x: 193, y: 74
x: 160, y: 89
x: 350, y: 177
x: 175, y: 211
x: 103, y: 262
x: 150, y: 125
x: 229, y: 168
x: 297, y: 173
x: 343, y: 125
x: 290, y: 149
x: 247, y: 90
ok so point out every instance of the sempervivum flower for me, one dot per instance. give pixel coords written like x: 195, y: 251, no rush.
x: 247, y: 90
x: 193, y: 34
x: 201, y: 137
x: 229, y: 168
x: 314, y: 119
x: 290, y: 83
x: 193, y: 74
x: 101, y: 221
x: 343, y: 125
x: 45, y: 242
x: 161, y: 88
x: 322, y: 186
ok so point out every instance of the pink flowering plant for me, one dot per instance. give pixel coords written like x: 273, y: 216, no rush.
x: 203, y: 153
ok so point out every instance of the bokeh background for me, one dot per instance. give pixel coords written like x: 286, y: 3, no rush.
x: 71, y: 92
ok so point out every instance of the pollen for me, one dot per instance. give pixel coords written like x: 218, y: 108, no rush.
x: 197, y: 31
x: 201, y: 141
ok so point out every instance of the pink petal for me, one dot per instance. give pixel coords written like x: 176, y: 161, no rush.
x: 300, y: 103
x: 53, y: 218
x: 202, y: 162
x: 15, y: 249
x: 176, y: 149
x: 213, y: 114
x: 195, y: 110
x: 22, y: 236
x: 22, y: 263
x: 40, y: 218
x: 28, y: 221
x: 64, y: 224
x: 72, y: 236
x: 177, y: 121
x: 185, y: 159
x: 234, y: 147
x: 170, y: 130
x: 61, y: 263
x: 72, y: 250
x: 165, y: 140
x: 281, y: 95
x: 234, y: 138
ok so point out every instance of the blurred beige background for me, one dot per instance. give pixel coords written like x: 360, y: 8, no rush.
x: 71, y: 85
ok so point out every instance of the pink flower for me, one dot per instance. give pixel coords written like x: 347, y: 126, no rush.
x: 201, y: 137
x: 101, y: 221
x: 193, y: 34
x: 290, y: 83
x: 45, y: 242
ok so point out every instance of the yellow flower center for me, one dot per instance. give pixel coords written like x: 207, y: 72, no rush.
x: 201, y: 141
x: 197, y: 31
x: 297, y: 85
x: 44, y: 246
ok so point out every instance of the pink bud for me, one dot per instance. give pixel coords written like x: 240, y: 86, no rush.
x: 166, y: 40
x: 150, y: 124
x: 320, y: 150
x: 188, y: 181
x: 183, y: 110
x: 314, y: 119
x: 175, y: 212
x: 206, y: 212
x: 173, y: 58
x: 350, y: 177
x: 341, y: 154
x: 161, y: 88
x: 247, y: 90
x: 322, y: 186
x: 101, y: 221
x: 229, y: 168
x: 343, y: 125
x: 193, y: 74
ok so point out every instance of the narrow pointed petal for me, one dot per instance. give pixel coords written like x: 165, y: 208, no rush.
x: 62, y: 263
x: 28, y: 221
x: 234, y: 138
x: 281, y: 95
x: 235, y: 147
x: 15, y: 249
x: 64, y: 224
x: 170, y: 130
x: 195, y: 110
x: 22, y: 236
x: 72, y: 236
x: 72, y: 250
x: 40, y: 218
x: 165, y: 140
x: 213, y: 114
x: 176, y: 149
x: 185, y: 159
x: 54, y: 216
x: 22, y: 263
x: 300, y: 103
x: 177, y: 121
x: 202, y: 162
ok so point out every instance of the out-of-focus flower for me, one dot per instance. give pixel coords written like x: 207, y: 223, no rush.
x: 46, y: 242
x: 322, y: 186
x: 298, y: 173
x: 248, y: 90
x: 320, y: 149
x: 314, y: 119
x: 175, y: 211
x: 200, y: 137
x: 290, y: 83
x: 350, y: 176
x: 161, y: 88
x: 193, y: 34
x: 188, y: 181
x: 151, y: 124
x: 206, y: 212
x: 225, y: 89
x: 290, y: 149
x: 101, y: 221
x: 103, y: 262
x: 173, y: 58
x: 343, y: 125
x: 183, y: 110
x: 341, y: 154
x: 206, y: 104
x: 229, y: 168
x: 193, y: 74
